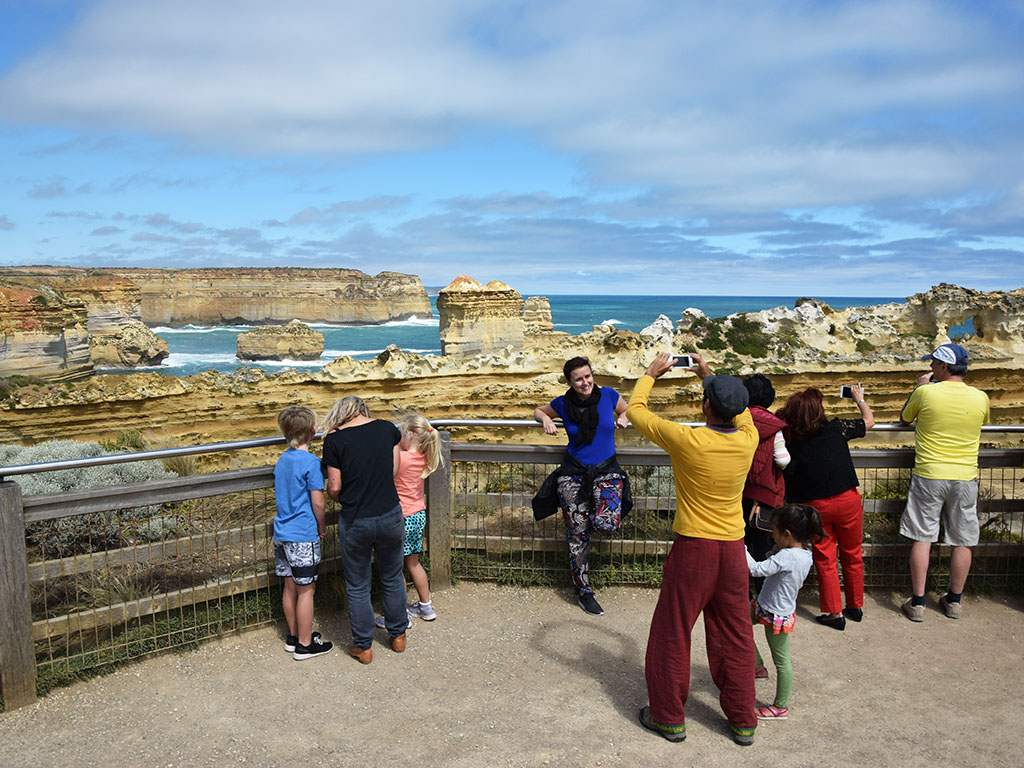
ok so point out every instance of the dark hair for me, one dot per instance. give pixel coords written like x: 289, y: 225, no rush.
x: 573, y: 363
x: 957, y: 370
x: 760, y: 389
x: 804, y: 413
x: 802, y: 521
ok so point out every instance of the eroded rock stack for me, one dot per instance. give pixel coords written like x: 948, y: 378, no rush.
x: 295, y: 341
x: 479, y: 319
x: 537, y: 314
x: 42, y: 333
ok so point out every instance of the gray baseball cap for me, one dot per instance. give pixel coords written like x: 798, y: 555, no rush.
x: 727, y: 394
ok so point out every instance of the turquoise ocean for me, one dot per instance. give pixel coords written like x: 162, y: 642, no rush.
x: 194, y: 349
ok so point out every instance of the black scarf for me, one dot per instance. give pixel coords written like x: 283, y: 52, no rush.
x: 584, y: 414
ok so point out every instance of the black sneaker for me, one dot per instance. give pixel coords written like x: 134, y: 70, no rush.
x: 589, y: 604
x: 317, y: 647
x: 291, y: 641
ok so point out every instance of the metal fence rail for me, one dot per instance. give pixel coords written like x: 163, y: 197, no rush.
x: 92, y: 578
x: 496, y: 537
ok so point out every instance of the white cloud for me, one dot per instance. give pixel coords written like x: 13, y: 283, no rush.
x: 730, y: 104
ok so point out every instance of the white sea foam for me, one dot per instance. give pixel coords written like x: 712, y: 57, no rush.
x: 330, y: 354
x: 203, y: 329
x: 613, y: 321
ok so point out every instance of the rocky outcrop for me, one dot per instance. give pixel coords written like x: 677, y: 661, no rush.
x: 117, y: 336
x: 537, y: 314
x: 479, y: 319
x: 660, y: 331
x: 177, y: 297
x: 129, y: 346
x: 42, y: 333
x: 787, y: 343
x: 295, y: 341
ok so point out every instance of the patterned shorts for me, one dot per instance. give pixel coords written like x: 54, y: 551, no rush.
x: 298, y: 559
x: 414, y: 525
x: 778, y: 624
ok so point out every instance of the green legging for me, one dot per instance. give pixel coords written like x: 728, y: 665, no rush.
x: 779, y: 646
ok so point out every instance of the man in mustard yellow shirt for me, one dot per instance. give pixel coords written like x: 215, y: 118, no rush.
x: 706, y: 569
x: 949, y: 416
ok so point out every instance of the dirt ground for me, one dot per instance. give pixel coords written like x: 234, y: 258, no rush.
x: 521, y: 677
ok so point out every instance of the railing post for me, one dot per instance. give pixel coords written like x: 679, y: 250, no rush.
x: 17, y: 657
x: 439, y: 512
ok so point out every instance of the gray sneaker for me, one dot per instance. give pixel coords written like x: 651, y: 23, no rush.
x: 953, y: 610
x: 421, y: 611
x: 911, y: 611
x: 381, y: 624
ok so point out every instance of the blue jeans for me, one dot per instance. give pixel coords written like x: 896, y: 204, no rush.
x: 358, y: 540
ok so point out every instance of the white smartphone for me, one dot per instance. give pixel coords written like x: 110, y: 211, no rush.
x: 682, y: 361
x: 846, y: 391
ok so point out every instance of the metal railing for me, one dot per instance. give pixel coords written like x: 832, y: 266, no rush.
x: 92, y: 578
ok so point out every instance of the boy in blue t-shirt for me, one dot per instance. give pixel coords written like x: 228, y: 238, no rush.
x: 298, y: 528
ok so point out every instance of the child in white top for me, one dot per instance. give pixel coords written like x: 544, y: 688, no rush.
x: 794, y: 527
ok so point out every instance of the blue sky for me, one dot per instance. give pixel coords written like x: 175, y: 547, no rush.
x: 773, y: 148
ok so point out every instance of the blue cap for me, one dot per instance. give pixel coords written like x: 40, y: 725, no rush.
x: 950, y: 354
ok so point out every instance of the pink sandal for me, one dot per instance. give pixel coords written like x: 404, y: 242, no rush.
x: 771, y: 712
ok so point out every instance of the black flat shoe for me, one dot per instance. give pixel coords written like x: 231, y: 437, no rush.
x: 853, y: 614
x: 836, y: 623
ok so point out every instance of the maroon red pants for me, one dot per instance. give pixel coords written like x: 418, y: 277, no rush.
x: 709, y: 576
x: 842, y: 517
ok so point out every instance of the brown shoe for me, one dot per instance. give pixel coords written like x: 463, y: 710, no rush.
x: 362, y: 655
x: 398, y: 643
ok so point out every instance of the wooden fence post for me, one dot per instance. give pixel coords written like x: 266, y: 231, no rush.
x: 439, y: 512
x: 17, y: 656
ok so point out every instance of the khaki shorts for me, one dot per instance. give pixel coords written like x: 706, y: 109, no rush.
x: 955, y: 502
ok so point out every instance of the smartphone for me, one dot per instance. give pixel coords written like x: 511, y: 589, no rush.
x: 846, y: 391
x: 682, y: 361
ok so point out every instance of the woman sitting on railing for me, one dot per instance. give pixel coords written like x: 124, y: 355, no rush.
x: 590, y: 485
x: 362, y: 460
x: 821, y: 474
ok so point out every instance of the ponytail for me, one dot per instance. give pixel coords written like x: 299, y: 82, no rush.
x: 801, y: 520
x: 425, y: 439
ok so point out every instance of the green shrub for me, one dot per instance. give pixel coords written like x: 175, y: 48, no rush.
x: 82, y: 533
x: 864, y: 346
x: 747, y: 337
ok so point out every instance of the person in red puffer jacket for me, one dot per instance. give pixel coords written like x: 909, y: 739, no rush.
x: 765, y: 487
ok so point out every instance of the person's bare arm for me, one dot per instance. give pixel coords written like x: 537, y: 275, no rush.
x: 333, y: 482
x: 862, y: 406
x: 397, y: 459
x: 316, y: 498
x: 621, y: 422
x: 544, y: 414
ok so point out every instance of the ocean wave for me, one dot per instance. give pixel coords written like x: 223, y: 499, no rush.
x: 330, y: 354
x: 613, y: 321
x: 425, y: 322
x: 202, y: 329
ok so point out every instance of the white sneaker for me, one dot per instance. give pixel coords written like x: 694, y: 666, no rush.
x: 425, y: 612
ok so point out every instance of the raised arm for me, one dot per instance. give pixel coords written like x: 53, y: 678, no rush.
x: 862, y: 406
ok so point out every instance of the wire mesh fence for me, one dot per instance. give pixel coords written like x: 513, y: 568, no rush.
x: 496, y: 537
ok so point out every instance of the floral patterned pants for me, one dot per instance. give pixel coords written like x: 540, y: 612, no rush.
x: 601, y: 511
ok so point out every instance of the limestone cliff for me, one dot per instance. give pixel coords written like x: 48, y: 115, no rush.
x: 117, y: 336
x: 510, y: 382
x: 178, y: 297
x: 479, y: 319
x: 295, y: 341
x: 42, y: 333
x: 537, y: 314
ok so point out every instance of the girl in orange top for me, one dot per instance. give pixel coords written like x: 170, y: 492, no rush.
x: 420, y: 455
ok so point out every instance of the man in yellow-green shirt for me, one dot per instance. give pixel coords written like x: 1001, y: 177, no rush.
x: 706, y: 569
x: 949, y: 416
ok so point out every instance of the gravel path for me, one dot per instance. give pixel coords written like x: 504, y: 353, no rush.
x: 522, y: 677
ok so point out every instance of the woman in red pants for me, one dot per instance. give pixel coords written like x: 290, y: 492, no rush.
x: 821, y: 474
